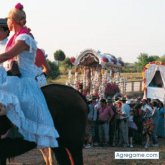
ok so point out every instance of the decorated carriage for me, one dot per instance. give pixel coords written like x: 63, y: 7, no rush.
x: 95, y: 73
x: 154, y: 80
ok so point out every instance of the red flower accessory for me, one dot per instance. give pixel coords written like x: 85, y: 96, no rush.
x: 19, y: 6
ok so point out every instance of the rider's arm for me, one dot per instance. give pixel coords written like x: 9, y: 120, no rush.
x: 19, y: 47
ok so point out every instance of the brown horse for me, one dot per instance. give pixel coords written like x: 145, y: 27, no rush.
x: 68, y: 109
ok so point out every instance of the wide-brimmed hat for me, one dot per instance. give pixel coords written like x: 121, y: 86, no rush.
x: 102, y: 100
x: 109, y: 99
x: 3, y: 22
x: 128, y: 102
x: 123, y: 99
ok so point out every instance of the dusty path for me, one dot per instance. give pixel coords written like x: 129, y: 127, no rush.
x: 98, y: 156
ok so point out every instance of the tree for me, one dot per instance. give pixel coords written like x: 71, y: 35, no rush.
x: 144, y: 59
x: 68, y: 63
x: 153, y: 58
x: 65, y: 65
x: 59, y: 55
x: 162, y: 58
x: 54, y: 70
x: 129, y: 68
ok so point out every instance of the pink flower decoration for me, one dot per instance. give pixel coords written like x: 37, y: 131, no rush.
x: 19, y: 6
x: 72, y: 60
x: 104, y: 59
x: 111, y: 89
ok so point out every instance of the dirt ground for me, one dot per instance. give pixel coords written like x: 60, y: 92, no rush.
x: 99, y: 156
x: 106, y: 156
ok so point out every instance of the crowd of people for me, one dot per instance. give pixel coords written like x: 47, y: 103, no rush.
x: 124, y: 122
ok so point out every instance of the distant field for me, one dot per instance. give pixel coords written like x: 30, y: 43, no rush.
x: 132, y: 76
x: 59, y: 80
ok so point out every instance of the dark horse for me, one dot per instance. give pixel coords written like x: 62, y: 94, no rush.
x: 68, y: 109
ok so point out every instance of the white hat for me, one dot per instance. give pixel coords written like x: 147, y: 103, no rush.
x: 128, y: 102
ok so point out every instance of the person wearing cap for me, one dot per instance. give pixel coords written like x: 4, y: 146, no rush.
x: 25, y: 104
x: 147, y: 122
x: 117, y: 105
x: 111, y: 107
x: 161, y: 120
x: 112, y: 122
x: 123, y: 124
x: 104, y: 115
x: 92, y: 116
x: 145, y: 106
x: 4, y: 33
x: 155, y: 117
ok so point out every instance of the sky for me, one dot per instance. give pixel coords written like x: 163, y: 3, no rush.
x: 124, y: 28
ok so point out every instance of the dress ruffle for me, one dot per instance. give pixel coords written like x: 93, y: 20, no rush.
x: 28, y: 111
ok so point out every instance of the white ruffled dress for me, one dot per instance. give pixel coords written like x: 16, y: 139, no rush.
x: 26, y: 105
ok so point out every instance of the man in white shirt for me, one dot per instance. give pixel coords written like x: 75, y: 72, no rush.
x: 123, y: 124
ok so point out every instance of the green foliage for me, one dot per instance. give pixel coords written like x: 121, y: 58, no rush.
x: 54, y: 70
x: 65, y: 65
x: 67, y: 62
x: 59, y: 55
x: 129, y: 68
x: 162, y: 58
x: 144, y: 59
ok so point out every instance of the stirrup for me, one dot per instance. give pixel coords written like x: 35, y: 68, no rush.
x: 3, y: 109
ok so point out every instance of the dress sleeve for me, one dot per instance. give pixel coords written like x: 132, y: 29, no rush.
x: 29, y: 41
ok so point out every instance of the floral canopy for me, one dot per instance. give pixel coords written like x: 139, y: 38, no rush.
x: 90, y: 57
x: 94, y: 72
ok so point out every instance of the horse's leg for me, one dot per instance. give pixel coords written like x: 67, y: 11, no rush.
x: 69, y: 156
x: 51, y: 157
x: 77, y: 154
x: 47, y: 155
x: 62, y: 156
